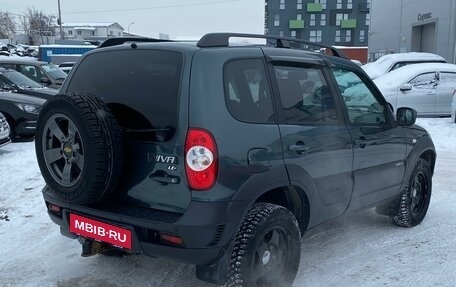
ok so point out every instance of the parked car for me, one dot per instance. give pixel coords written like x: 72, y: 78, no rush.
x: 21, y: 112
x: 4, y: 131
x: 428, y: 88
x: 41, y: 72
x: 392, y: 62
x: 223, y: 156
x: 66, y: 67
x: 16, y: 82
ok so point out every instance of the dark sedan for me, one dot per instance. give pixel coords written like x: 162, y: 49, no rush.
x: 21, y: 112
x: 13, y: 81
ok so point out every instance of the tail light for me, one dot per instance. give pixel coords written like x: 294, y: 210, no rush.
x: 201, y: 159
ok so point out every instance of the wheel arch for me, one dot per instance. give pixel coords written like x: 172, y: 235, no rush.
x: 291, y: 197
x: 430, y: 157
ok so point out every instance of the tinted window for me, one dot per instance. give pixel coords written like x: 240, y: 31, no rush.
x: 305, y: 95
x: 362, y: 105
x: 141, y: 87
x: 247, y: 93
x: 32, y: 72
x: 8, y: 66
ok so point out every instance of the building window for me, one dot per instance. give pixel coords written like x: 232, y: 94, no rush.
x: 362, y: 35
x: 340, y: 17
x: 299, y: 17
x: 339, y: 4
x: 323, y: 20
x: 368, y: 19
x: 369, y: 4
x: 93, y: 33
x: 79, y: 32
x: 349, y: 4
x: 337, y: 39
x: 293, y: 33
x: 299, y: 4
x: 312, y: 20
x: 281, y: 34
x: 315, y: 36
x: 111, y: 33
x: 70, y: 32
x: 282, y: 5
x: 348, y: 36
x: 276, y: 20
x: 322, y: 2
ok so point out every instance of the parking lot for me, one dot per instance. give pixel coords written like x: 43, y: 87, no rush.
x: 360, y: 249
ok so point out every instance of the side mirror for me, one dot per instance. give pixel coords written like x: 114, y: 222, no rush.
x: 45, y: 80
x: 406, y: 87
x: 406, y: 116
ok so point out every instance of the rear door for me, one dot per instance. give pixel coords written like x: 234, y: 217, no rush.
x: 422, y: 96
x: 142, y: 87
x: 379, y: 145
x: 316, y: 143
x: 445, y: 89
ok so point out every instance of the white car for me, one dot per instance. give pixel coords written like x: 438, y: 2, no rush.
x: 4, y: 131
x: 428, y: 88
x: 392, y: 62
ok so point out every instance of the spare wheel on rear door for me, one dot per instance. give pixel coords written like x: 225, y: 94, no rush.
x: 79, y: 147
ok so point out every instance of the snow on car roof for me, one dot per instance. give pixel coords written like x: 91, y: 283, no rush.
x: 385, y: 63
x: 404, y: 74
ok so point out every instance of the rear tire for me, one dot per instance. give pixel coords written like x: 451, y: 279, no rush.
x: 416, y: 196
x: 79, y: 148
x: 267, y: 248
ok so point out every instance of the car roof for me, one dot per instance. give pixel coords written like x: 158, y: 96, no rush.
x: 406, y: 73
x: 19, y: 60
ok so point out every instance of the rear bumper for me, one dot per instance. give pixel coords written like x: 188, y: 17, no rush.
x: 205, y: 228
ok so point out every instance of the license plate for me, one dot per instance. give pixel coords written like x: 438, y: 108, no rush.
x: 100, y: 231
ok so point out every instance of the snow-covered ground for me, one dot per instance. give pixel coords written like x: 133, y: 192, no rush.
x: 361, y: 249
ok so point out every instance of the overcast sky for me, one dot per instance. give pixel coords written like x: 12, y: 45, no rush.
x: 150, y: 17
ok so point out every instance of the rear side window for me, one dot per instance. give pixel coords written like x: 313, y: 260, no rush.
x: 306, y: 98
x: 247, y: 92
x: 140, y: 86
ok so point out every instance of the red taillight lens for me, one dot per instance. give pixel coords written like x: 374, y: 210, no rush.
x: 201, y: 159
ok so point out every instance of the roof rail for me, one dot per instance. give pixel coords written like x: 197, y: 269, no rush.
x: 222, y: 40
x: 121, y: 40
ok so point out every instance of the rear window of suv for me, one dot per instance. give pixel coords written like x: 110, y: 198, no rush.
x: 140, y: 86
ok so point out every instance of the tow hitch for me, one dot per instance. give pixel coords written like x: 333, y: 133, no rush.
x: 91, y: 248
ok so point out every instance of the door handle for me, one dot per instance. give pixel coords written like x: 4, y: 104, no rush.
x: 164, y: 178
x: 299, y: 147
x: 362, y: 142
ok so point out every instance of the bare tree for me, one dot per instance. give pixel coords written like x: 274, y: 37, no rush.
x: 7, y: 25
x: 36, y: 24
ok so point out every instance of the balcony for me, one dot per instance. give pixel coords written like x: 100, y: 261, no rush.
x: 348, y: 24
x: 297, y: 24
x: 314, y: 7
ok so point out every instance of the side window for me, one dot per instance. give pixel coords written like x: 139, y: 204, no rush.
x: 423, y: 81
x: 447, y: 79
x: 8, y: 66
x: 32, y: 72
x: 305, y: 95
x: 362, y: 105
x: 247, y: 93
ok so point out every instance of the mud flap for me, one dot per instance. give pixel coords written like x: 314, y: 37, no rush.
x: 216, y: 272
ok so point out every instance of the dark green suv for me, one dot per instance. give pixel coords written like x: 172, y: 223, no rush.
x: 223, y: 156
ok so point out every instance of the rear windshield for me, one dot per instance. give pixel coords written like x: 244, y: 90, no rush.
x: 140, y: 86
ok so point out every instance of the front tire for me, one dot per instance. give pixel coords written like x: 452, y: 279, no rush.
x: 267, y: 248
x: 416, y: 196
